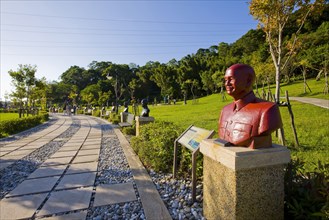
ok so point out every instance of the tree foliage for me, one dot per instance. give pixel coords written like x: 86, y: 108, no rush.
x: 273, y: 16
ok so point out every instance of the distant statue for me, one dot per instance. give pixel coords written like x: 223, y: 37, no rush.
x: 113, y: 109
x: 248, y: 121
x: 146, y: 110
x: 125, y: 104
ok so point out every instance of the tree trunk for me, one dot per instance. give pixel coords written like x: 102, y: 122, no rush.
x: 185, y: 97
x: 292, y: 121
x: 277, y: 85
x: 325, y: 90
x: 305, y: 83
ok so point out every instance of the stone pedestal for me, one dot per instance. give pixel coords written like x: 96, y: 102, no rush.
x: 242, y: 183
x: 141, y: 121
x: 124, y: 116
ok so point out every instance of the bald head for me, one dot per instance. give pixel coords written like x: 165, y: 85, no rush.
x: 239, y: 79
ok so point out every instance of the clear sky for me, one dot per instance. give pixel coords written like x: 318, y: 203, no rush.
x: 57, y: 34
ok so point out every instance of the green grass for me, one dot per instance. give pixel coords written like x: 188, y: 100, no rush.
x: 203, y: 114
x: 311, y: 123
x: 8, y: 116
x: 297, y: 89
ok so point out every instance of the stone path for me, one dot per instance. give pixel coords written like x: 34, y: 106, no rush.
x: 64, y: 185
x: 314, y: 101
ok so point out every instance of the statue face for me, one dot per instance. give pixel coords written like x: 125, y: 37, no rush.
x: 236, y: 83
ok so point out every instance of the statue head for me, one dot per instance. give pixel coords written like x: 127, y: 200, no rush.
x: 146, y: 110
x: 144, y: 102
x: 239, y: 79
x: 125, y: 104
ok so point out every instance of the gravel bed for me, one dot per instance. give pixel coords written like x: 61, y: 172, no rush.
x: 16, y: 173
x: 113, y: 168
x: 176, y: 193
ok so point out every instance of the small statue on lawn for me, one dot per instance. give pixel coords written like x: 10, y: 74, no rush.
x: 146, y: 110
x: 125, y: 104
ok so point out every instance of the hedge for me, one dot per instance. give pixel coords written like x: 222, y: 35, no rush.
x: 14, y: 126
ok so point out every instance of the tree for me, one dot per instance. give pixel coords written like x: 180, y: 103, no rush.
x: 75, y: 76
x: 164, y: 77
x: 90, y: 94
x: 315, y: 55
x: 23, y: 80
x: 273, y: 16
x: 39, y: 93
x: 148, y: 87
x: 188, y: 72
x: 103, y: 97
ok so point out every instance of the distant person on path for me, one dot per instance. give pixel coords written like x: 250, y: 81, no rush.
x: 248, y: 121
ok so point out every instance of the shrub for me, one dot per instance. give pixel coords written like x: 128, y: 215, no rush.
x: 13, y: 126
x: 307, y: 193
x: 129, y: 130
x: 96, y: 113
x: 155, y: 145
x: 114, y: 118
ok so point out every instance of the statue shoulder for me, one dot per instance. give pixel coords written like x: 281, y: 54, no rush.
x: 229, y: 106
x: 265, y: 104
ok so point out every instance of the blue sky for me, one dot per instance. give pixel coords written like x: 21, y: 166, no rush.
x: 54, y: 35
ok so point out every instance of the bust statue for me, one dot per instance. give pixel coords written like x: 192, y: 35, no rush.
x: 125, y: 104
x: 113, y: 109
x: 248, y: 121
x: 146, y: 110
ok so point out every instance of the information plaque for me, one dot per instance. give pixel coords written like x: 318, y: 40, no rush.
x: 191, y: 139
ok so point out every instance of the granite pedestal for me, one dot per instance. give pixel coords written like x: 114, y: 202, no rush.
x: 242, y: 183
x: 141, y: 121
x: 124, y: 116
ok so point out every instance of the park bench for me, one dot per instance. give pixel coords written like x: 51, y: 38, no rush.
x: 88, y: 111
x: 129, y: 121
x: 106, y: 115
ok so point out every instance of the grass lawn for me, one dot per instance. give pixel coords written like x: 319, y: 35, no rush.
x: 8, y: 116
x: 311, y: 123
x: 297, y: 89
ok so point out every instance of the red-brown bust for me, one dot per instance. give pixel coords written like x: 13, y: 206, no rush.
x: 248, y: 121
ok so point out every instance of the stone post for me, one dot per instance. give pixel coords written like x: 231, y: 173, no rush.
x: 242, y: 183
x: 124, y: 116
x: 141, y: 121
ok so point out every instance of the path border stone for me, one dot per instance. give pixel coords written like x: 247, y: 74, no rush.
x: 153, y: 206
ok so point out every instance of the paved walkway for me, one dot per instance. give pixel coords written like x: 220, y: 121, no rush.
x: 314, y: 101
x: 64, y: 186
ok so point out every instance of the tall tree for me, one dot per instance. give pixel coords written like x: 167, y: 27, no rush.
x: 164, y: 77
x: 23, y: 79
x: 273, y: 16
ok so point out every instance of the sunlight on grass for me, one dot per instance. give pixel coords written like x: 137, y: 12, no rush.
x: 8, y: 116
x: 297, y: 89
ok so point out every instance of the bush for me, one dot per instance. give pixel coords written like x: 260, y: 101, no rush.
x: 307, y: 193
x: 96, y: 113
x: 114, y: 118
x: 129, y: 130
x: 155, y: 145
x: 13, y: 126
